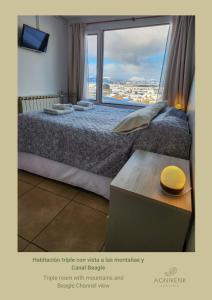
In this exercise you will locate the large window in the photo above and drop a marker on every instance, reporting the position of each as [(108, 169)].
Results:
[(133, 62), (128, 64)]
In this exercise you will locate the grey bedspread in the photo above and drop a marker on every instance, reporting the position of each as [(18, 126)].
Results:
[(85, 139)]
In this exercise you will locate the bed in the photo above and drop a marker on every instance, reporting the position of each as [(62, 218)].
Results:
[(81, 148)]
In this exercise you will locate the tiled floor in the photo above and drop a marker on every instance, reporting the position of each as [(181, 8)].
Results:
[(53, 216)]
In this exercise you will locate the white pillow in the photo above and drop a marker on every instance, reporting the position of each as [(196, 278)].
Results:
[(140, 118)]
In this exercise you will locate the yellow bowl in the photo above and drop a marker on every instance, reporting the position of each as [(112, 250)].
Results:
[(172, 179)]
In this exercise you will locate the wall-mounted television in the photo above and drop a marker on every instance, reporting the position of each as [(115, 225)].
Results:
[(34, 39)]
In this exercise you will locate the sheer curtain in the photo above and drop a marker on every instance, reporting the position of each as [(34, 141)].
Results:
[(181, 62), (77, 62), (86, 72)]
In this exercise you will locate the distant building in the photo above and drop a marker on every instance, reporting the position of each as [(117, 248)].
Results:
[(126, 91)]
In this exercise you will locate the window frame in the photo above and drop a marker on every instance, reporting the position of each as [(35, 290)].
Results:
[(99, 29)]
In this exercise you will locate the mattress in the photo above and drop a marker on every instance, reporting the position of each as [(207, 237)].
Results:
[(64, 173), (85, 139)]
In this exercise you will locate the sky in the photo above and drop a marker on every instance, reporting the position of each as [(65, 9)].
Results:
[(131, 54)]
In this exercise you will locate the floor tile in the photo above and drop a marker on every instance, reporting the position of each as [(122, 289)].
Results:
[(22, 243), (59, 188), (93, 200), (23, 187), (36, 209), (29, 177), (77, 228), (33, 248)]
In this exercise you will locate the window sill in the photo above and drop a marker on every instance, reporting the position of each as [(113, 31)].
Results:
[(122, 105), (118, 103)]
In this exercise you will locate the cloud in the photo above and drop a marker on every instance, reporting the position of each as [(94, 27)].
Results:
[(120, 71), (129, 71), (135, 45), (136, 78), (134, 52)]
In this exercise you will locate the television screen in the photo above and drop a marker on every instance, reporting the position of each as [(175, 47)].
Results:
[(34, 39)]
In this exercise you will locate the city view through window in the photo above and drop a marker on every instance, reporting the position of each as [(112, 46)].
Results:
[(132, 65)]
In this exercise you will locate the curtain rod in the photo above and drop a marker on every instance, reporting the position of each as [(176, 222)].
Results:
[(129, 19)]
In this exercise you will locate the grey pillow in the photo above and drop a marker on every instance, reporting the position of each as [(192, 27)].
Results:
[(140, 118), (172, 111)]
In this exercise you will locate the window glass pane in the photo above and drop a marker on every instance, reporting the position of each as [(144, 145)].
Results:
[(91, 66), (133, 63)]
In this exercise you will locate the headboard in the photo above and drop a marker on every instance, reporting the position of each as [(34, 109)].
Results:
[(33, 103), (190, 246)]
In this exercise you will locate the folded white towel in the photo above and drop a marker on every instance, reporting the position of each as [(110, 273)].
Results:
[(54, 111), (85, 103), (82, 108), (62, 106)]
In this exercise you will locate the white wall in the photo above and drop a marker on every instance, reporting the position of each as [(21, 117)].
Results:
[(44, 73)]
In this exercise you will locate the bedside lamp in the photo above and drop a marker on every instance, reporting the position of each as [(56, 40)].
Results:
[(172, 180), (179, 106)]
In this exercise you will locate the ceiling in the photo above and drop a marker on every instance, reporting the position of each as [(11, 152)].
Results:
[(95, 18)]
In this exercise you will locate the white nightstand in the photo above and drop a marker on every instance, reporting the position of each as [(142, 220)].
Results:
[(141, 216)]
